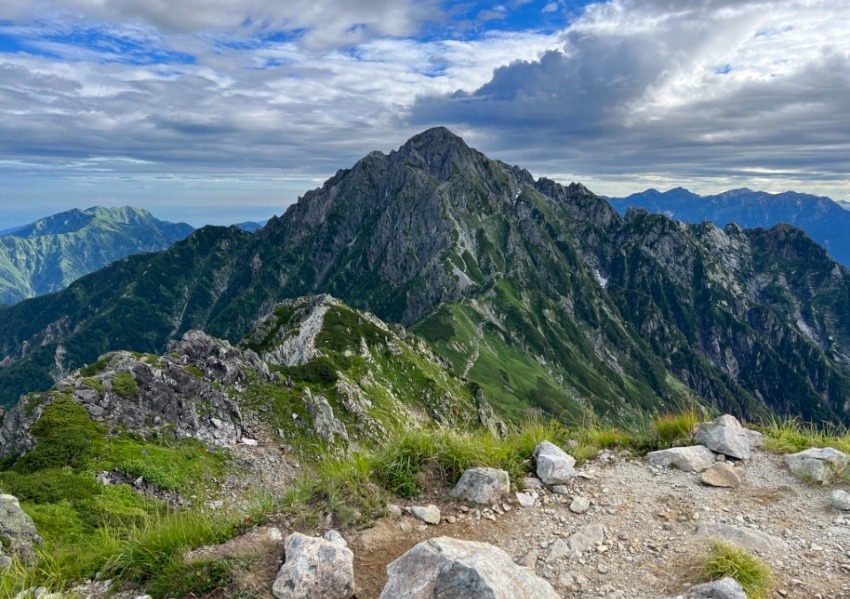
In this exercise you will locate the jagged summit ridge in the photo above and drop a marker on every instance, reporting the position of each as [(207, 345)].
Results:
[(540, 293)]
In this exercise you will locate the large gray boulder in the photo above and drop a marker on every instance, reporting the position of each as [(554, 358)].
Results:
[(726, 435), (554, 465), (17, 531), (725, 588), (482, 485), (447, 568), (315, 568), (695, 458), (818, 464)]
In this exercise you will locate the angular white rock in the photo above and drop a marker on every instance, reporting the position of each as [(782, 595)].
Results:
[(726, 435), (554, 465), (451, 568), (482, 485), (315, 568)]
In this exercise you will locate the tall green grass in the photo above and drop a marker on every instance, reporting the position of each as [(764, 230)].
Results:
[(790, 436), (752, 574)]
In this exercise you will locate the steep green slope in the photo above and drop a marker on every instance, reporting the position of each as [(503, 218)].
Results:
[(540, 294), (49, 254)]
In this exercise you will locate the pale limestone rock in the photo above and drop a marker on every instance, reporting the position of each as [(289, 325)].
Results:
[(554, 465), (453, 569), (315, 568), (482, 485), (695, 458)]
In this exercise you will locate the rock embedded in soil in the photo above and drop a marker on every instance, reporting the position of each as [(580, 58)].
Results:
[(818, 464), (726, 435), (580, 505), (315, 568), (722, 474), (840, 500), (451, 568), (554, 465), (752, 539), (482, 485), (695, 458), (429, 514), (725, 588)]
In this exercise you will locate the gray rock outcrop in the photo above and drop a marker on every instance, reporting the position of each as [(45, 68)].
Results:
[(448, 568), (482, 485), (725, 588), (818, 464), (315, 568), (554, 465), (695, 458), (726, 435), (17, 531)]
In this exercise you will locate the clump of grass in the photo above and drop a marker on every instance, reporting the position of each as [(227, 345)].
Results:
[(674, 428), (790, 436), (151, 549), (752, 574), (124, 384)]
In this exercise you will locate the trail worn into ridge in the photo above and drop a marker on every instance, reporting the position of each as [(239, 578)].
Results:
[(658, 523), (653, 520)]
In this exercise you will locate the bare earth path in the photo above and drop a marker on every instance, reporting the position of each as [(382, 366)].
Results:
[(655, 524)]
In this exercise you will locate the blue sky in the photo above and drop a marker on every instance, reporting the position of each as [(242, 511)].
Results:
[(213, 111)]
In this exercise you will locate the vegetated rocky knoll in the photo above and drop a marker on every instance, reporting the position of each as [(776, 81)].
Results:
[(541, 294), (50, 253), (823, 219), (313, 374)]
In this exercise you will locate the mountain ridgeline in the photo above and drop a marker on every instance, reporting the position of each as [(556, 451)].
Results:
[(538, 294), (824, 220), (50, 253)]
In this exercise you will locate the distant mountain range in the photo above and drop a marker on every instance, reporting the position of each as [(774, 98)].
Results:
[(824, 220), (539, 296), (50, 253), (844, 204), (251, 226)]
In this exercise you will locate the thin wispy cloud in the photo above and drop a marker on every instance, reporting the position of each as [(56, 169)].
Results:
[(100, 96)]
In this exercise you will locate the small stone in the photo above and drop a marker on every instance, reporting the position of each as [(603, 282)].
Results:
[(840, 500), (721, 474), (560, 490), (429, 514), (580, 505)]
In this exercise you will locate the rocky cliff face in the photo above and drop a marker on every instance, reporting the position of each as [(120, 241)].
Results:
[(537, 293), (823, 219)]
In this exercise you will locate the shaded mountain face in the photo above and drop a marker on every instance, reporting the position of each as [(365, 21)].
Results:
[(541, 295), (49, 254), (824, 220)]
